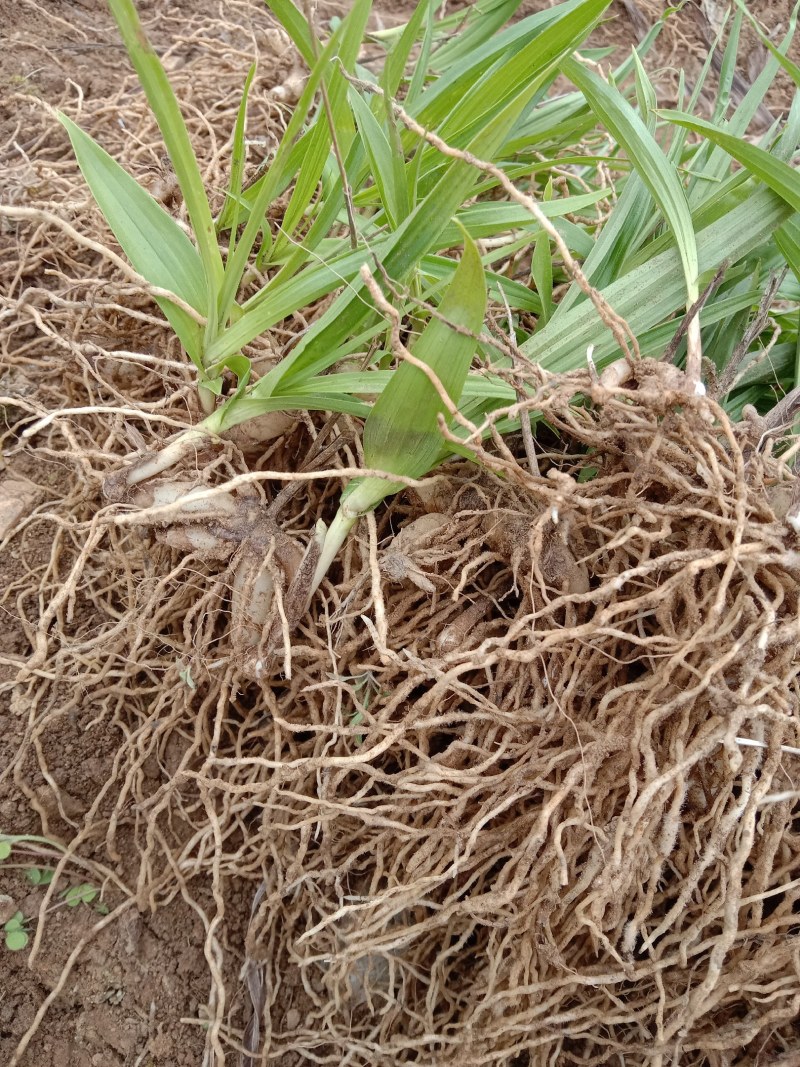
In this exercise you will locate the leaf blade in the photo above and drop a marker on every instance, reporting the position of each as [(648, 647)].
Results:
[(401, 434), (151, 239), (657, 172), (165, 107), (779, 176)]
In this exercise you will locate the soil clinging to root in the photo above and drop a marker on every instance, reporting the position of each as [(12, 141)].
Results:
[(521, 787)]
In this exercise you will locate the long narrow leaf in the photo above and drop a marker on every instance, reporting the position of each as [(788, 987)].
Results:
[(791, 68), (778, 175), (438, 100), (151, 239), (621, 234), (490, 93), (176, 138), (395, 64), (655, 169), (421, 229), (481, 26), (229, 217), (380, 155), (268, 186), (653, 291), (400, 253), (337, 113), (788, 240), (402, 435), (714, 165)]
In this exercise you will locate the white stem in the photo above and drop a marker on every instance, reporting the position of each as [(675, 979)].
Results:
[(190, 500), (158, 462), (362, 496), (208, 400), (335, 537)]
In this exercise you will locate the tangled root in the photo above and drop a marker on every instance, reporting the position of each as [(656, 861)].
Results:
[(523, 798), (550, 844)]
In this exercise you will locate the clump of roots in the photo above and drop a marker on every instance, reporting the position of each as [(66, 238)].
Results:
[(502, 810)]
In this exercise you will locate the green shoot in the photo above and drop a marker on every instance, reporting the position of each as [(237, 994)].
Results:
[(401, 433)]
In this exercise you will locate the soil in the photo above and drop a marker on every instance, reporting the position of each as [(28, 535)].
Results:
[(140, 989)]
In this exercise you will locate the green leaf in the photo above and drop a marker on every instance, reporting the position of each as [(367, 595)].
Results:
[(151, 239), (519, 296), (348, 38), (787, 239), (483, 22), (676, 147), (645, 93), (380, 155), (542, 273), (651, 164), (229, 217), (5, 850), (617, 240), (176, 138), (713, 165), (779, 176), (652, 292), (542, 267), (727, 69), (791, 68), (399, 254), (490, 93), (491, 218), (421, 229), (16, 940), (395, 63), (401, 434), (438, 101), (566, 119), (39, 875), (417, 84), (79, 894), (343, 42)]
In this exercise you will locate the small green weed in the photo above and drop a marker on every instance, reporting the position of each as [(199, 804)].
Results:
[(15, 932), (39, 875), (27, 848)]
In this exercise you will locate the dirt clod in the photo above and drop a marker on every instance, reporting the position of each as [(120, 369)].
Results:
[(17, 499)]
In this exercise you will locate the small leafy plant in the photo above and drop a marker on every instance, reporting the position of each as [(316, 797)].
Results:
[(39, 875), (85, 893), (15, 929), (412, 211), (15, 932)]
